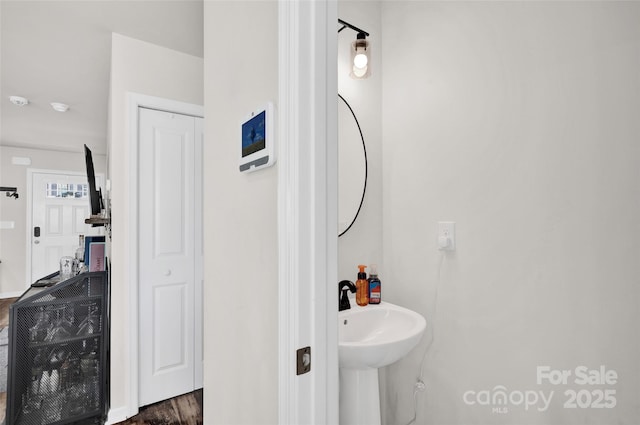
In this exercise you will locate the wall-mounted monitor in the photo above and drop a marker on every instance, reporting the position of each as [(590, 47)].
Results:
[(94, 194)]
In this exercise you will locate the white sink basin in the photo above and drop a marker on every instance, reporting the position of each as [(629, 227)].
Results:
[(377, 335)]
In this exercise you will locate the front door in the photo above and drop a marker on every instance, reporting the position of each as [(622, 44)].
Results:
[(169, 246), (60, 204)]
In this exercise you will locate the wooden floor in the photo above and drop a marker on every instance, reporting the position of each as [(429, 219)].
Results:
[(4, 311), (3, 407), (4, 322), (182, 410)]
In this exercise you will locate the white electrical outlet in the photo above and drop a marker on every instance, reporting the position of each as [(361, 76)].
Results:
[(446, 236)]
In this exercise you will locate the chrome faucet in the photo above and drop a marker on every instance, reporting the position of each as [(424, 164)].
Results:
[(343, 287)]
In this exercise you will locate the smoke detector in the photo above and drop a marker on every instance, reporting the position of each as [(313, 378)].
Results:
[(60, 107), (19, 100)]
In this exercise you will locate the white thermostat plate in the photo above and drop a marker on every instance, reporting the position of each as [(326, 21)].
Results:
[(257, 142)]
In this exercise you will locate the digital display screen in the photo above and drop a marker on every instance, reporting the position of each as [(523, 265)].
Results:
[(254, 134)]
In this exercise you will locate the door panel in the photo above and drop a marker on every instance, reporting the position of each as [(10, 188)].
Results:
[(80, 213), (170, 315), (170, 223), (167, 225), (52, 255), (53, 224)]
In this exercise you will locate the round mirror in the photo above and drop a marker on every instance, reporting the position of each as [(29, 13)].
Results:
[(352, 167)]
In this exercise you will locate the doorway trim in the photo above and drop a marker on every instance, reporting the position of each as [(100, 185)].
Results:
[(30, 173), (135, 101), (307, 210)]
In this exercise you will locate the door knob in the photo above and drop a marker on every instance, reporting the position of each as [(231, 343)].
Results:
[(167, 273), (36, 242)]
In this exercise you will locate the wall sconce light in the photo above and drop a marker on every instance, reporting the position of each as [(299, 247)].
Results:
[(360, 57), (360, 52), (12, 192)]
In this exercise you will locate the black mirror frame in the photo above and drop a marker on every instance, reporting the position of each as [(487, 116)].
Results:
[(366, 166)]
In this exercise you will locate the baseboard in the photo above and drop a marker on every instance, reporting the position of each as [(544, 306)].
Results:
[(11, 294), (116, 415)]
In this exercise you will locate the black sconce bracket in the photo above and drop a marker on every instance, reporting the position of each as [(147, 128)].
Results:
[(346, 24)]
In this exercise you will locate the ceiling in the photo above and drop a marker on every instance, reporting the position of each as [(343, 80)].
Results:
[(59, 51)]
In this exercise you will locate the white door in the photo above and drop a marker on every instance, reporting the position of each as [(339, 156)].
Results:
[(169, 254), (60, 204)]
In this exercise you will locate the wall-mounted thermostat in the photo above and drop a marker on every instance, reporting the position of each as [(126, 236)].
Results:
[(257, 144)]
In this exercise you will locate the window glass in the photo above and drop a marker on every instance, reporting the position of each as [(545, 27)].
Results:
[(67, 190)]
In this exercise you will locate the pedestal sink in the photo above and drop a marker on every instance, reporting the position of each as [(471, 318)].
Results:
[(371, 337)]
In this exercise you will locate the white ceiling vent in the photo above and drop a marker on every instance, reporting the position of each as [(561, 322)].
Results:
[(19, 100)]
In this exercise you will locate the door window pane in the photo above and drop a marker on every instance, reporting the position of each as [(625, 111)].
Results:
[(67, 190)]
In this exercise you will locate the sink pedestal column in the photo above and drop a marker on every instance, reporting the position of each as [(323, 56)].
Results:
[(359, 397)]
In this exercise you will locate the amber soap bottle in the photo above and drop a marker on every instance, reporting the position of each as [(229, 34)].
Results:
[(362, 287)]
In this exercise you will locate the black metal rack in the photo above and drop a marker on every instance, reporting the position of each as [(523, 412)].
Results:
[(59, 353)]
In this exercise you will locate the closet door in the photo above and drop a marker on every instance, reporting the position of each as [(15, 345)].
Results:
[(168, 256)]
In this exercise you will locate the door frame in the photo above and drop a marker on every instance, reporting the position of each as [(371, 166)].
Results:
[(307, 210), (30, 173), (135, 101), (307, 107)]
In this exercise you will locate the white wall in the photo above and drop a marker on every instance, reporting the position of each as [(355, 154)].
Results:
[(518, 121), (362, 244), (144, 68), (240, 210), (13, 242)]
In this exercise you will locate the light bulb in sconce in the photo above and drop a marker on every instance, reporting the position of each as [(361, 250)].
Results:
[(360, 57), (360, 61)]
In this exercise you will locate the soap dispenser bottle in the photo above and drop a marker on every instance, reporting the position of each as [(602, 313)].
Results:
[(362, 287), (375, 286)]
